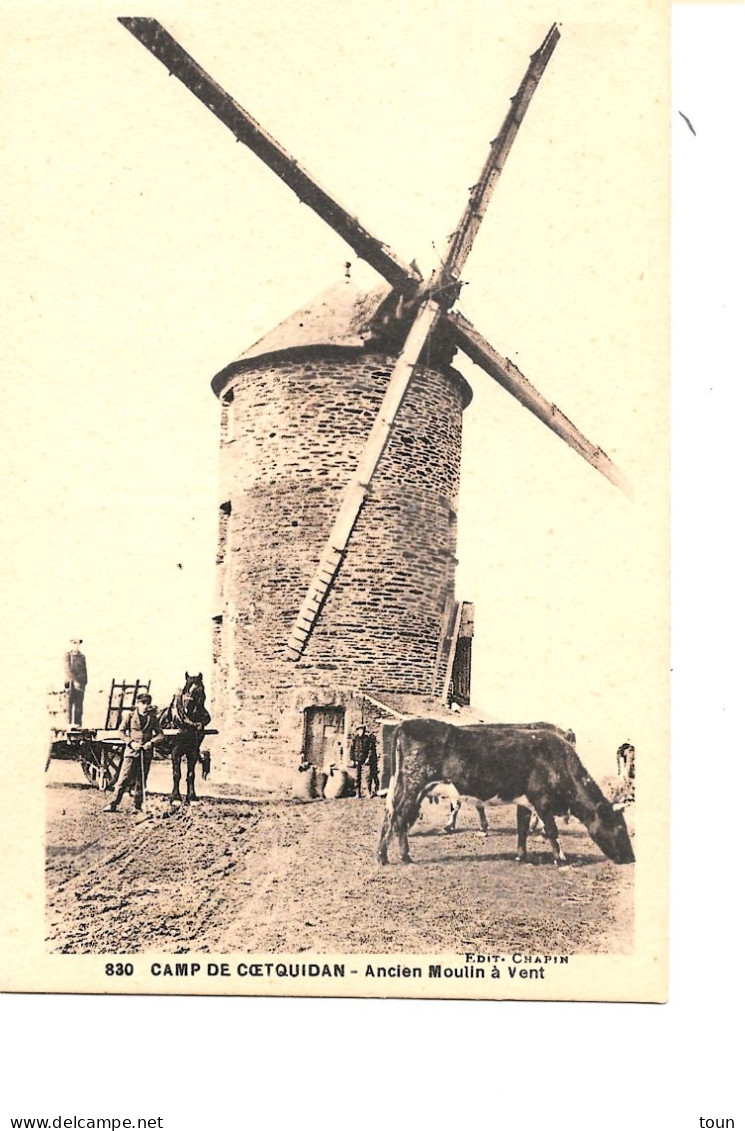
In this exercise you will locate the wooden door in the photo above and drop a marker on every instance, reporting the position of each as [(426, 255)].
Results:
[(324, 730)]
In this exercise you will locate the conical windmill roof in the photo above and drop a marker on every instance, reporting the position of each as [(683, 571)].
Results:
[(342, 316)]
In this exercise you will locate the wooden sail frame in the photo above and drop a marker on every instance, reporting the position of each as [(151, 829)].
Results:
[(434, 299)]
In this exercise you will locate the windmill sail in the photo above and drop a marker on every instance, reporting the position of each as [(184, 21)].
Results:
[(461, 241), (444, 287), (357, 488), (247, 130), (434, 300), (506, 373)]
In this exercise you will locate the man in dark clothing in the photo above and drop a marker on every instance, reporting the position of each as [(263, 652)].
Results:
[(144, 732), (76, 678), (373, 781), (365, 753)]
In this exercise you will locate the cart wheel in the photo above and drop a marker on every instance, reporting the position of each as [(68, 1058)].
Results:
[(89, 764), (99, 765), (113, 765)]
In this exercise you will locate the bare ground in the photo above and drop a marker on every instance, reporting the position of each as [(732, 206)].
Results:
[(242, 875)]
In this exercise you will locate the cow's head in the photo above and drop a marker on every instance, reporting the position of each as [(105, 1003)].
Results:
[(607, 827)]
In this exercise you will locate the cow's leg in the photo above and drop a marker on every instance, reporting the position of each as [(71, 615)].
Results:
[(482, 818), (454, 810), (396, 805), (403, 841), (395, 819), (386, 829), (552, 835), (403, 820), (523, 826)]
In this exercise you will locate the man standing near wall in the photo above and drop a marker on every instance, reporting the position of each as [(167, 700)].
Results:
[(365, 753), (76, 678)]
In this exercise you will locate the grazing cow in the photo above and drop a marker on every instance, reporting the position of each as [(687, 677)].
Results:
[(510, 763), (535, 820)]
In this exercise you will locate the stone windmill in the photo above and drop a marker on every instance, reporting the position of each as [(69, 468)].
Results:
[(340, 462)]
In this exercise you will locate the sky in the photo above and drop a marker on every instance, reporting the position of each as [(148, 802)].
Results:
[(149, 250)]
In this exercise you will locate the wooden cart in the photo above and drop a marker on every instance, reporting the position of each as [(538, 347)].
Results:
[(99, 750)]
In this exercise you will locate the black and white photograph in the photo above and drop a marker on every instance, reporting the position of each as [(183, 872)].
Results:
[(337, 408)]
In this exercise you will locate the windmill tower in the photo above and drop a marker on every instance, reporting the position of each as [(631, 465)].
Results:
[(296, 411), (340, 457)]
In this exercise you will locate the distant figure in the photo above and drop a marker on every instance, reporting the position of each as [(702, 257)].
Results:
[(365, 753), (373, 781), (625, 759), (571, 737), (144, 732), (76, 678)]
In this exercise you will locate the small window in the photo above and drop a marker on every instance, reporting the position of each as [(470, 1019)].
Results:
[(227, 418), (223, 533), (216, 639)]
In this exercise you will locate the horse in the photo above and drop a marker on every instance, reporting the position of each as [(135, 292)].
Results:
[(188, 716)]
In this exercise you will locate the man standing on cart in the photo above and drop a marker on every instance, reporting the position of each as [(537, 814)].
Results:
[(76, 678), (144, 733)]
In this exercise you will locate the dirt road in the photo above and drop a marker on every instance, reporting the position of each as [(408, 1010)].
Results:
[(255, 875)]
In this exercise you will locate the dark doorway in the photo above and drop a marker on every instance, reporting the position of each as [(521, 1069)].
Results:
[(460, 686), (324, 735)]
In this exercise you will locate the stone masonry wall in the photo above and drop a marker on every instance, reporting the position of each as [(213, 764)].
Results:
[(292, 430)]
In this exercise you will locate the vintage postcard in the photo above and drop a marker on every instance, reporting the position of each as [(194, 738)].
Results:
[(336, 444)]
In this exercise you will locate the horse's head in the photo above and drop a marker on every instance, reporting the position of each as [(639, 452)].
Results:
[(193, 698), (193, 687)]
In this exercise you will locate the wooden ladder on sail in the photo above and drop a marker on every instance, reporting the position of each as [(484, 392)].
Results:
[(356, 492)]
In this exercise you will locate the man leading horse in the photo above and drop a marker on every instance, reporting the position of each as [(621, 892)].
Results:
[(143, 733)]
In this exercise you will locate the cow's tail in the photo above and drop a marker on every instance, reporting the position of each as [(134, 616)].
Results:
[(395, 787)]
